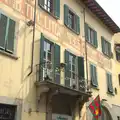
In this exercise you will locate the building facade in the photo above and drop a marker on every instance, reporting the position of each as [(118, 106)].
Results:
[(49, 67)]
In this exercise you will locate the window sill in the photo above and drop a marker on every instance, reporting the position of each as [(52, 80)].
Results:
[(91, 44), (51, 14), (109, 57), (109, 93), (94, 87), (8, 55), (72, 30)]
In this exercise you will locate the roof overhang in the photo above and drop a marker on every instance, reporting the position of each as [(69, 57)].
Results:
[(96, 9)]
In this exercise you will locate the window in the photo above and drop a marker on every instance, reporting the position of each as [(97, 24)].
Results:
[(72, 63), (71, 20), (117, 49), (91, 35), (74, 70), (109, 83), (118, 117), (49, 60), (51, 6), (93, 75), (119, 79), (106, 47), (7, 33), (7, 112)]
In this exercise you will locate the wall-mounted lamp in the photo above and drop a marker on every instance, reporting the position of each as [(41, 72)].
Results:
[(62, 65), (30, 23)]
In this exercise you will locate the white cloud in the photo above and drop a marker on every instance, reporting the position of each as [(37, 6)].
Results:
[(112, 7)]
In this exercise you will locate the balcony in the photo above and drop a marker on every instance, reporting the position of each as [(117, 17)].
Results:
[(49, 82), (46, 74)]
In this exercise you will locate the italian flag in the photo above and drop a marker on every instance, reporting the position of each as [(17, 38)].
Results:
[(95, 107)]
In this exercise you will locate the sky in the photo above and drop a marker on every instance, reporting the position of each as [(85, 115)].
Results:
[(112, 7)]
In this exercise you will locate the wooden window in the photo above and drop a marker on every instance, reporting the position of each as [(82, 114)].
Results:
[(118, 117), (119, 79), (49, 60), (109, 83), (51, 6), (71, 20), (7, 33), (74, 70), (93, 75), (117, 49), (91, 35), (106, 47)]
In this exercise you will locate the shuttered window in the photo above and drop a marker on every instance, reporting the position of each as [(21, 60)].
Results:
[(109, 83), (93, 75), (7, 33), (91, 35), (106, 47), (71, 20), (51, 6), (119, 79), (74, 70), (49, 60)]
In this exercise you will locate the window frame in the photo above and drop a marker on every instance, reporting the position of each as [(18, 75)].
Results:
[(96, 77), (50, 13), (76, 17), (106, 52), (73, 19), (75, 65), (119, 79), (52, 57), (4, 50), (91, 36), (108, 91), (49, 6), (117, 52)]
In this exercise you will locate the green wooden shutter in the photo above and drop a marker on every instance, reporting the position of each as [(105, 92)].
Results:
[(86, 31), (78, 25), (57, 63), (81, 67), (109, 49), (41, 56), (93, 73), (95, 77), (67, 72), (95, 39), (66, 10), (109, 79), (103, 44), (11, 36), (41, 3), (57, 8), (3, 25)]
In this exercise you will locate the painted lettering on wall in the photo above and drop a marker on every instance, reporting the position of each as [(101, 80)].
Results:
[(26, 8)]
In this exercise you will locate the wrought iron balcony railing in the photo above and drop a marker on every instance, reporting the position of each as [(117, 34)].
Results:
[(45, 71)]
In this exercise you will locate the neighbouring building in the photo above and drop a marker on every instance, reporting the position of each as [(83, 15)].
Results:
[(49, 67)]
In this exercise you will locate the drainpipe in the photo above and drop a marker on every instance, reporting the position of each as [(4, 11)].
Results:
[(86, 57), (33, 39)]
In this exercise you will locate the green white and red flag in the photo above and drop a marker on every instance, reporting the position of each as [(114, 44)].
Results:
[(95, 107)]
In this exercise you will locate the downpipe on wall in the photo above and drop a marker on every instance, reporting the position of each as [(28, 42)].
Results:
[(32, 59)]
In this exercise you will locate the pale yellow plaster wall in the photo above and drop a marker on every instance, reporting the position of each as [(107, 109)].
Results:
[(14, 81)]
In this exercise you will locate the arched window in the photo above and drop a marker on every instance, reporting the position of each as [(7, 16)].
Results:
[(105, 114)]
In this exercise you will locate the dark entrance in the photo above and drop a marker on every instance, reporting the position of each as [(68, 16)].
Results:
[(7, 112)]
